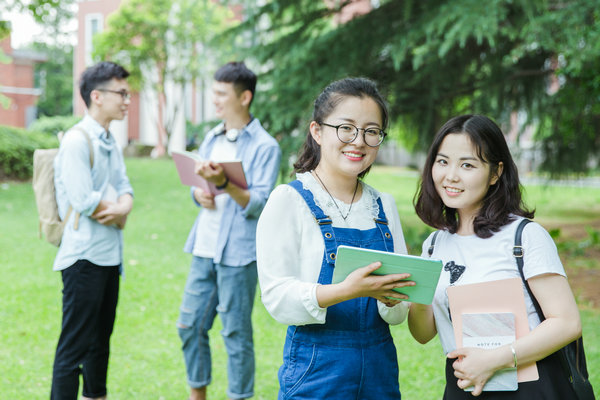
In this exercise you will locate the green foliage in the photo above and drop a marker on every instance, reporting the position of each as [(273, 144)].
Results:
[(55, 78), (434, 60), (576, 248), (54, 125), (195, 133), (52, 15), (4, 29), (4, 101), (46, 12), (593, 237), (16, 151), (161, 41)]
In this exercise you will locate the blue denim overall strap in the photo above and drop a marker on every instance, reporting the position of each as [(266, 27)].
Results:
[(353, 330), (325, 224), (358, 314)]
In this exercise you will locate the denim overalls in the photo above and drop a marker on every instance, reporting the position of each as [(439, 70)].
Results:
[(352, 355)]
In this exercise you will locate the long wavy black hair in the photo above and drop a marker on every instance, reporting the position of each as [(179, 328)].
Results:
[(325, 104), (503, 200)]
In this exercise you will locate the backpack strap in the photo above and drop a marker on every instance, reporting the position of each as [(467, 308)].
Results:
[(91, 151), (89, 142), (432, 244)]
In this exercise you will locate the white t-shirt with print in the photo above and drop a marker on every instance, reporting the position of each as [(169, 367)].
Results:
[(470, 259)]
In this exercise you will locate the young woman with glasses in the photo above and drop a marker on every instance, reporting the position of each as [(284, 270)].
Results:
[(338, 343)]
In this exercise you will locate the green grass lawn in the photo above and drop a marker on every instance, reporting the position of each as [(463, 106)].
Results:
[(146, 361)]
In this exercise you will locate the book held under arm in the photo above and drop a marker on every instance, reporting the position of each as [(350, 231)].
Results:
[(185, 162), (425, 272)]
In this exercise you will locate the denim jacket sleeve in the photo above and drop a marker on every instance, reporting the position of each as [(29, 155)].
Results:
[(264, 171)]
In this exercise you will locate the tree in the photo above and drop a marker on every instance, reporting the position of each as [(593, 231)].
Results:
[(4, 30), (436, 59), (162, 41), (52, 15), (55, 77), (49, 13)]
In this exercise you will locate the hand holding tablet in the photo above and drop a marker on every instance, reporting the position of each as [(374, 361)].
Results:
[(425, 272)]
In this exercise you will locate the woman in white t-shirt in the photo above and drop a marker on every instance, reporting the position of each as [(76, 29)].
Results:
[(338, 343), (470, 191)]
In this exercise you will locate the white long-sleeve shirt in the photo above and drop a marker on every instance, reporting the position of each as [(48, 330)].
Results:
[(290, 248)]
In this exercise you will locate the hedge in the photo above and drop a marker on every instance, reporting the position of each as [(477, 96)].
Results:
[(16, 151), (54, 125)]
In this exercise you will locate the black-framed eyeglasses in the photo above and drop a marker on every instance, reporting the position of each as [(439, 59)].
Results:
[(347, 133), (124, 93)]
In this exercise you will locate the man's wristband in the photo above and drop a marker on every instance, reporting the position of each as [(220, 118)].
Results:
[(224, 185)]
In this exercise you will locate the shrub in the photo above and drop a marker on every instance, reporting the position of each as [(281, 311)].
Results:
[(195, 133), (54, 125), (16, 151)]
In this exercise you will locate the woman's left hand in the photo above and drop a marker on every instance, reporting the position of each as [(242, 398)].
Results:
[(473, 367)]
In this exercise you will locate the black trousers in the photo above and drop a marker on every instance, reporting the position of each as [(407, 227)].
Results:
[(90, 295), (552, 385)]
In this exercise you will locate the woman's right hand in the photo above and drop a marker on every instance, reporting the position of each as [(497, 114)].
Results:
[(363, 283)]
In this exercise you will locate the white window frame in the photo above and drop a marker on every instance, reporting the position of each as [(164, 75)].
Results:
[(89, 35)]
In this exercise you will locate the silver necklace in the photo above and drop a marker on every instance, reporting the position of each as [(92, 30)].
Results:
[(332, 199)]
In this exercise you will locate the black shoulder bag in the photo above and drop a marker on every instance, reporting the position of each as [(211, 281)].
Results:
[(572, 356)]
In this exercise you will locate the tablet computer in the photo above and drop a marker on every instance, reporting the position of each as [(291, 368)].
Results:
[(425, 272)]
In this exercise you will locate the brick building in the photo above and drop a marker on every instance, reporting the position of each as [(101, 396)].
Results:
[(140, 125), (195, 105), (17, 84)]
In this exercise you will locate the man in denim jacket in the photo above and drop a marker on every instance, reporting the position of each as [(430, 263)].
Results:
[(223, 276), (90, 255)]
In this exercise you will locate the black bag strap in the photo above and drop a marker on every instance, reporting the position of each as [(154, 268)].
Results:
[(432, 245), (577, 368), (519, 253)]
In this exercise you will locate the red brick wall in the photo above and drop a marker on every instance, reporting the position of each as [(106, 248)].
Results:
[(16, 77)]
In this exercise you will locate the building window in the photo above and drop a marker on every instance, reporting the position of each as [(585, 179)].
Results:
[(93, 25)]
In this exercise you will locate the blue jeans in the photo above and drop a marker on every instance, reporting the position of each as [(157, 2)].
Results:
[(230, 291)]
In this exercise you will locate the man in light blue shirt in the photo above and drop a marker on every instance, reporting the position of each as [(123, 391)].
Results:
[(223, 276), (90, 255)]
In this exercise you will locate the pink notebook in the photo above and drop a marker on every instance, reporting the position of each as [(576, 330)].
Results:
[(185, 162), (501, 296)]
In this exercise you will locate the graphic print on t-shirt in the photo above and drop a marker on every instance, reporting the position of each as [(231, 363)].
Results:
[(455, 271)]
